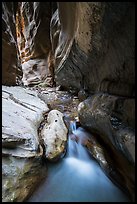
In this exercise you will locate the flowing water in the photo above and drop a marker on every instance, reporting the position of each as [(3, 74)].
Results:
[(77, 178)]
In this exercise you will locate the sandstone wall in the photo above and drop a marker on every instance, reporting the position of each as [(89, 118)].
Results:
[(101, 56), (33, 40), (9, 53)]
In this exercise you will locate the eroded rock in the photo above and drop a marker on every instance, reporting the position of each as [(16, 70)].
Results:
[(33, 41), (22, 170), (22, 112), (20, 177), (101, 115), (94, 55), (9, 51), (54, 135)]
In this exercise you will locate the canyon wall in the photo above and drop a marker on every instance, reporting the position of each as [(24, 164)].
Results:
[(92, 43), (87, 47), (101, 56), (33, 40), (9, 45)]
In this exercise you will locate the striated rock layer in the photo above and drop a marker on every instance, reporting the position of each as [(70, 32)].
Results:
[(22, 112), (33, 41), (22, 169), (9, 47)]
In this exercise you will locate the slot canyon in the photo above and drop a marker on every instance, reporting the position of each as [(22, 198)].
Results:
[(68, 101)]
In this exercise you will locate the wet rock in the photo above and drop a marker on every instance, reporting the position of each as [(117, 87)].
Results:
[(63, 101), (93, 146), (82, 95), (101, 114), (54, 135), (126, 142), (128, 112), (113, 165), (22, 113)]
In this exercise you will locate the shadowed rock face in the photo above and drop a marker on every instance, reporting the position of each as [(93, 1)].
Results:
[(100, 59), (114, 165), (9, 51), (101, 49), (101, 114)]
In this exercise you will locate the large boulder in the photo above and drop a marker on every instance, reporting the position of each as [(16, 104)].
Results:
[(103, 114), (54, 135), (22, 169)]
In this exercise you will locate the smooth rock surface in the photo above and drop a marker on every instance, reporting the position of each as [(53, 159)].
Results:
[(54, 135), (101, 113), (22, 112), (22, 168), (98, 47)]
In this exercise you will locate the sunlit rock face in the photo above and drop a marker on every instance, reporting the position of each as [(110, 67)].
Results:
[(22, 169), (22, 112), (9, 53), (33, 40), (54, 135), (63, 28), (95, 48)]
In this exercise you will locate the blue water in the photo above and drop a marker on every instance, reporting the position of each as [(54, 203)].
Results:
[(77, 178)]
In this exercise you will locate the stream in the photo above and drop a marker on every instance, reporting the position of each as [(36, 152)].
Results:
[(77, 178)]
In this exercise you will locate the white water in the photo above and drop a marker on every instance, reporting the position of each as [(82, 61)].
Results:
[(77, 178)]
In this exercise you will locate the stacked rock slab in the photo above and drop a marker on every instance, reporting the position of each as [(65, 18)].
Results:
[(22, 113)]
